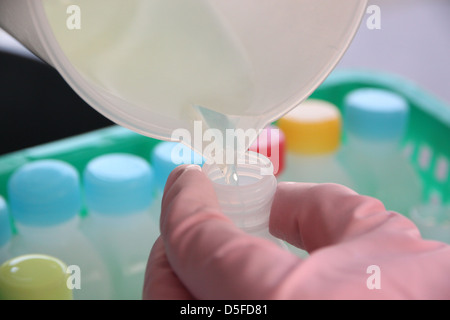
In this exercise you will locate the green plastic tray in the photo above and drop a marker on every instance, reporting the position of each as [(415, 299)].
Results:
[(427, 141)]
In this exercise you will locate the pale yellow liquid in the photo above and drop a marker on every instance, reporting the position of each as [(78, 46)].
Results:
[(167, 56)]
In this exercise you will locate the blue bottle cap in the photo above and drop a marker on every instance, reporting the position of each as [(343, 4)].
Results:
[(44, 192), (166, 156), (118, 184), (376, 114), (5, 225)]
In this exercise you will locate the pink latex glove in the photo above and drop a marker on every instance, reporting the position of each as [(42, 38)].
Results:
[(202, 255)]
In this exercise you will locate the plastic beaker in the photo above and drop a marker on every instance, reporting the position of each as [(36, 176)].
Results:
[(148, 64)]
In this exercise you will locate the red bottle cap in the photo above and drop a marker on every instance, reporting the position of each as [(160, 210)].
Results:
[(271, 143)]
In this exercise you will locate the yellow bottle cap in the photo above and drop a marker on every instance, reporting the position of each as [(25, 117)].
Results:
[(34, 277), (313, 127)]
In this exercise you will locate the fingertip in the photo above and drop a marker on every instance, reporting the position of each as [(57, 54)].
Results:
[(188, 191), (184, 178), (285, 197), (178, 171), (310, 216), (283, 223)]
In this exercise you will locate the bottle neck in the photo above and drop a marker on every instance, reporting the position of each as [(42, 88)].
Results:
[(248, 203)]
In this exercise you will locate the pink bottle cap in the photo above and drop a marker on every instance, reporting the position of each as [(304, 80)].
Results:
[(271, 143)]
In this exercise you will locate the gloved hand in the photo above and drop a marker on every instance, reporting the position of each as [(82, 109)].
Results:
[(358, 250)]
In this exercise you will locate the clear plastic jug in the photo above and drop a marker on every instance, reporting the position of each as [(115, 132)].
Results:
[(149, 65)]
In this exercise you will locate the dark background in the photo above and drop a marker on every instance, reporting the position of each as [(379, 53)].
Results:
[(37, 106)]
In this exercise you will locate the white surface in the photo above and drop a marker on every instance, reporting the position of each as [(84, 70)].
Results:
[(413, 42)]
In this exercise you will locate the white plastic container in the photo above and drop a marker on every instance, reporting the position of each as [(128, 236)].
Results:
[(5, 232), (313, 139), (118, 192), (248, 204), (148, 64), (375, 122), (45, 200)]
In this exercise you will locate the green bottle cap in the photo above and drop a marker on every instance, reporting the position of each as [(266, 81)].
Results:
[(34, 277)]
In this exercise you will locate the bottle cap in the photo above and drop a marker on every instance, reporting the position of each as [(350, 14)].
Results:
[(271, 143), (34, 277), (166, 156), (5, 225), (118, 184), (44, 192), (313, 127), (375, 114)]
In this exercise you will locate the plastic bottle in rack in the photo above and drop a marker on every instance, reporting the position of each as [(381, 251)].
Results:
[(313, 138), (119, 194), (5, 231), (376, 122), (45, 200), (249, 202), (165, 157), (34, 277)]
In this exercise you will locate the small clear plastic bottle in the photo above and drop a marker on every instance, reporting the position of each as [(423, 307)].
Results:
[(249, 202), (34, 277), (313, 139), (165, 157), (5, 231), (375, 122), (45, 201), (119, 193)]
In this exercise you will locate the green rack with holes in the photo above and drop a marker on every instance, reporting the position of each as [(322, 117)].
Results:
[(427, 141)]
